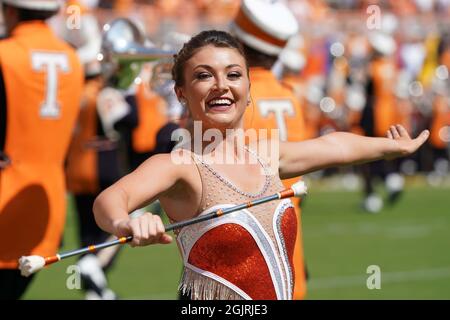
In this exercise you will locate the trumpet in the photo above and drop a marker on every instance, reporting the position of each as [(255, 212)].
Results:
[(124, 50)]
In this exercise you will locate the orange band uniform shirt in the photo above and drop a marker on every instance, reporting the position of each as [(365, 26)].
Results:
[(32, 188)]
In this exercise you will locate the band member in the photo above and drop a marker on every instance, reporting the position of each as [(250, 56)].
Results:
[(40, 92)]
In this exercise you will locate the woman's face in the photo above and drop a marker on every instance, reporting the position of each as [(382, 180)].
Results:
[(216, 87)]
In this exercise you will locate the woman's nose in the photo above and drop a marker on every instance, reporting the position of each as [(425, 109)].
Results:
[(221, 84)]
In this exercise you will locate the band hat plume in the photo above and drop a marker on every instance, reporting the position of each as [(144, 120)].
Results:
[(292, 59), (44, 5), (264, 25)]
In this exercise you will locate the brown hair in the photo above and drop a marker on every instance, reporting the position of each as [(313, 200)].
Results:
[(215, 38)]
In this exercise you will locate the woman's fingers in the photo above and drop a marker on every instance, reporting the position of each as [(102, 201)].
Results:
[(148, 229), (165, 239), (135, 229), (402, 131), (389, 134), (145, 227), (152, 230), (159, 227), (421, 138), (394, 132)]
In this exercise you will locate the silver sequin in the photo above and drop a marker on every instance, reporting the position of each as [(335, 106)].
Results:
[(232, 186), (284, 255)]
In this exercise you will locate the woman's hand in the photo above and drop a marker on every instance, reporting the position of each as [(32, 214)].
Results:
[(146, 229), (404, 144)]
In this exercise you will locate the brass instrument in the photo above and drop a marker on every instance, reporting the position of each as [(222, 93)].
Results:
[(124, 50)]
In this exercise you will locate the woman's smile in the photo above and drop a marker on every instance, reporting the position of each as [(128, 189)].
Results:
[(220, 104)]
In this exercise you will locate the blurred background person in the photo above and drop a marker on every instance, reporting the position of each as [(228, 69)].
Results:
[(93, 159), (40, 91), (380, 111)]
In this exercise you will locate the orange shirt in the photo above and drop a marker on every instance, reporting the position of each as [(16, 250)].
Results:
[(275, 107), (43, 82), (386, 111), (151, 118), (81, 173)]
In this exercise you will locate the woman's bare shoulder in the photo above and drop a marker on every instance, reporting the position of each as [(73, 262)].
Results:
[(182, 200), (178, 165)]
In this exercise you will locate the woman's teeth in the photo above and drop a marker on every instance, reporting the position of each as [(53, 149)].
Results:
[(219, 102)]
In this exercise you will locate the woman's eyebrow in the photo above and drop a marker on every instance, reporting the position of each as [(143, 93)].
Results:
[(208, 67), (203, 66), (233, 65)]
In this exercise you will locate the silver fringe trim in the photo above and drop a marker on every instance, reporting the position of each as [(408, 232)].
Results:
[(201, 287)]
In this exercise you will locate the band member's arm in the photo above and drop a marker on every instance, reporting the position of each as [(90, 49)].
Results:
[(341, 148)]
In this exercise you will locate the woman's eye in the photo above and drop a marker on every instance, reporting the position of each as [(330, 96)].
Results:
[(203, 75), (234, 75)]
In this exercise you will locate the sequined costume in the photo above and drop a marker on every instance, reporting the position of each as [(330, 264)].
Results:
[(246, 254)]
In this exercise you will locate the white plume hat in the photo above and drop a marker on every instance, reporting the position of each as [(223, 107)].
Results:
[(264, 25)]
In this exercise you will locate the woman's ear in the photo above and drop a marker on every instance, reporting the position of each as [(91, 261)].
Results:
[(180, 96), (178, 93)]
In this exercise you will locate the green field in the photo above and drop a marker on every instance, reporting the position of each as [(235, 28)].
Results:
[(409, 242)]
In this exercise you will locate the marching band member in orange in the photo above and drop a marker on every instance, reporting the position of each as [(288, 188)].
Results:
[(41, 84)]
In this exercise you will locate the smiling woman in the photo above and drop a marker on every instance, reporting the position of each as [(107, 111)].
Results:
[(247, 254)]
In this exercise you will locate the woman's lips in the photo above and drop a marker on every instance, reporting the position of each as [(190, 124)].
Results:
[(220, 108), (220, 104)]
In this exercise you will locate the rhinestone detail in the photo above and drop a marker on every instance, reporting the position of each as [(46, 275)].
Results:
[(232, 186)]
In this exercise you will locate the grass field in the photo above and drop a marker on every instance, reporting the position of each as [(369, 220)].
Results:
[(409, 242)]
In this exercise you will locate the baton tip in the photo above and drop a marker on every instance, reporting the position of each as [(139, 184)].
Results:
[(30, 264), (299, 188)]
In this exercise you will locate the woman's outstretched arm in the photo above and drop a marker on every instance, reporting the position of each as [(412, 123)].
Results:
[(342, 148)]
